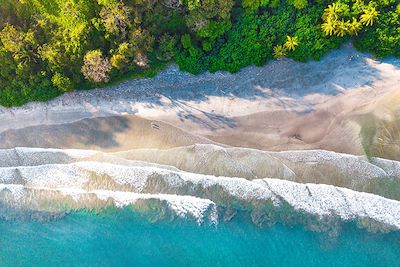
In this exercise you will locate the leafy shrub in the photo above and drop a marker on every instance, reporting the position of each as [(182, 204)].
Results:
[(61, 82)]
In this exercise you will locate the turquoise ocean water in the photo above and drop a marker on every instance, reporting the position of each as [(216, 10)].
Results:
[(122, 238)]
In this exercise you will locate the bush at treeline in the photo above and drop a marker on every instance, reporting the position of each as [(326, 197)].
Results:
[(48, 47)]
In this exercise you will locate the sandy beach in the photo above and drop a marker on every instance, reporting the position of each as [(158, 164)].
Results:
[(348, 102)]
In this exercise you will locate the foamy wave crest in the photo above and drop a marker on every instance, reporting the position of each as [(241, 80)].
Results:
[(92, 185), (374, 175), (253, 163), (20, 201)]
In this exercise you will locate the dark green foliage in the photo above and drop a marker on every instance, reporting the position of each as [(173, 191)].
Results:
[(44, 43), (313, 42), (166, 47), (253, 36), (383, 39)]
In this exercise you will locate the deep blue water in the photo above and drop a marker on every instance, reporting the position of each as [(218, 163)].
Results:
[(124, 239)]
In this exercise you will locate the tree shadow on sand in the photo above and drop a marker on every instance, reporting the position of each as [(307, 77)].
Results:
[(284, 81), (100, 132)]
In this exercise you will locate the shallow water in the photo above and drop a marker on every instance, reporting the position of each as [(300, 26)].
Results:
[(123, 238)]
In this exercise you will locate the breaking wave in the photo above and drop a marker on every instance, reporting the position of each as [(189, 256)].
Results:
[(47, 183)]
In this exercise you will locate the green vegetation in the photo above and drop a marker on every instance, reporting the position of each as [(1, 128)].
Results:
[(48, 47)]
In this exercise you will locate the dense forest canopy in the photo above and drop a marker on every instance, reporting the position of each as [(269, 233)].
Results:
[(52, 46)]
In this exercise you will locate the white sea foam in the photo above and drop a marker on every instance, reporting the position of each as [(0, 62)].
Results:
[(122, 184), (327, 200), (65, 199), (391, 167)]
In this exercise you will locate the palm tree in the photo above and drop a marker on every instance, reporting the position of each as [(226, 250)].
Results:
[(24, 56), (341, 28), (369, 16), (328, 27), (354, 26), (280, 51), (332, 11), (291, 43)]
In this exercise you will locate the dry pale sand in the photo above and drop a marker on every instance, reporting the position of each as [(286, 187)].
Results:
[(347, 102)]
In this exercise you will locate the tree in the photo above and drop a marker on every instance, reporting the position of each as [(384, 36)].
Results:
[(332, 12), (209, 18), (328, 27), (254, 5), (13, 40), (353, 27), (369, 16), (121, 56), (166, 49), (116, 19), (299, 4), (280, 51), (63, 83), (340, 21), (341, 28), (65, 21), (291, 43), (21, 45), (96, 68)]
